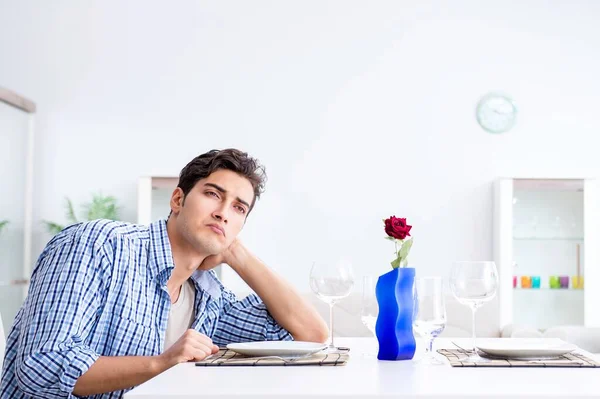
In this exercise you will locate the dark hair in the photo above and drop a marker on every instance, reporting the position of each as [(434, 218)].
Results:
[(231, 159)]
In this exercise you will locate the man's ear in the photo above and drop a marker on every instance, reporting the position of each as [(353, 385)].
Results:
[(177, 200)]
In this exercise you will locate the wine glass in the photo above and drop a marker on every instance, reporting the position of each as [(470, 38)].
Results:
[(473, 284), (331, 281), (430, 313), (369, 307)]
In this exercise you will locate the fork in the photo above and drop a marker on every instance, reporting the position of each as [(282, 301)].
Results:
[(284, 358)]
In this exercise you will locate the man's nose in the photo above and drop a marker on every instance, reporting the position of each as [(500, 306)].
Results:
[(220, 214)]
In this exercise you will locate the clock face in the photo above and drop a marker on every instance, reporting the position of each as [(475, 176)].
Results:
[(496, 113)]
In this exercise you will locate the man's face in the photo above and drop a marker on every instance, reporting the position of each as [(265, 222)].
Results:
[(214, 211)]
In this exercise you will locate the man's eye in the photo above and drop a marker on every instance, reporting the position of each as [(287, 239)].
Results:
[(241, 209), (212, 193)]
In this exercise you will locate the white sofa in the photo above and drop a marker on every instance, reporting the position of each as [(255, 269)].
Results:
[(347, 323), (587, 338)]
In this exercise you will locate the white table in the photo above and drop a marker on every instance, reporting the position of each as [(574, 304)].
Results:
[(366, 377)]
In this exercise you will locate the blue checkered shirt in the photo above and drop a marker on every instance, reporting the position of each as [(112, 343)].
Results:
[(99, 289)]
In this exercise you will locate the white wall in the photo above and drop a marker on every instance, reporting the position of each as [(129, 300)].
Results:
[(359, 109)]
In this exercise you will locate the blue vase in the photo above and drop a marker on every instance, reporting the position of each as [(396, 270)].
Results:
[(394, 330)]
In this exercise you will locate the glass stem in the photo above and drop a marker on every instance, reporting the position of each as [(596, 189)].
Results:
[(331, 325), (429, 348), (473, 309)]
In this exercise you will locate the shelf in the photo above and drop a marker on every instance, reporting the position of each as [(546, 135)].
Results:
[(548, 238), (548, 289)]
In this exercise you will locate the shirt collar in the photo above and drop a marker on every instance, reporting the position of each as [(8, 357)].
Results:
[(208, 282), (162, 265), (161, 257)]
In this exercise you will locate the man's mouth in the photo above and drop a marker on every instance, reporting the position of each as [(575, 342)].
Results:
[(217, 229)]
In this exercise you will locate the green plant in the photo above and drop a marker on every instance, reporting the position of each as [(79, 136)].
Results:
[(101, 207), (3, 223)]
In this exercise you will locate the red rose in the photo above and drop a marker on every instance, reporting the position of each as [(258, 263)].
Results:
[(397, 227)]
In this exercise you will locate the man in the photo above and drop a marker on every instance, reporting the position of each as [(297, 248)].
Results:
[(112, 304)]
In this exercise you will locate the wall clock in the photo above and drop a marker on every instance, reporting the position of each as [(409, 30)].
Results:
[(496, 113)]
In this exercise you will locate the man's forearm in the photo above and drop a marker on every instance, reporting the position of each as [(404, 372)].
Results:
[(283, 302), (110, 374)]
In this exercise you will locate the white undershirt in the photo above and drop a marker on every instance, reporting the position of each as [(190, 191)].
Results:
[(181, 315)]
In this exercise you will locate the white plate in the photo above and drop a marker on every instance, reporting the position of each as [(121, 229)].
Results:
[(276, 348), (526, 347)]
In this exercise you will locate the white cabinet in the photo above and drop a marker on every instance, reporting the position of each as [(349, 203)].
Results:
[(546, 249), (154, 193)]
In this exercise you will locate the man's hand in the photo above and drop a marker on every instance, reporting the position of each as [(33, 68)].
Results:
[(190, 346), (110, 374), (235, 256)]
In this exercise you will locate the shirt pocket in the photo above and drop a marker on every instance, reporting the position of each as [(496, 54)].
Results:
[(128, 338)]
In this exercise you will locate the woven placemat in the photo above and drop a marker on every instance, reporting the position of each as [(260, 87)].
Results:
[(569, 360), (226, 357)]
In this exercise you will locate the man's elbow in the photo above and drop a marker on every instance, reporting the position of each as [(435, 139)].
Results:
[(26, 383), (321, 336), (315, 333)]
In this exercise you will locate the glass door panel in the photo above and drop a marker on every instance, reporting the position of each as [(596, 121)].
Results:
[(13, 154), (548, 245)]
